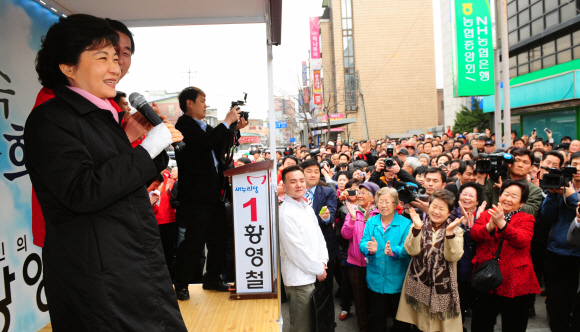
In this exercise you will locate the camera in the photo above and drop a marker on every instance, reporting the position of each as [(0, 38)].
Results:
[(389, 161), (493, 164), (557, 178), (409, 192), (352, 192), (243, 114)]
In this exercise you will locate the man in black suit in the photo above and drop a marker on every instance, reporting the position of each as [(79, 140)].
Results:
[(200, 191), (320, 197)]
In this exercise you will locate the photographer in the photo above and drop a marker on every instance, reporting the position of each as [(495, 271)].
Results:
[(562, 261), (384, 177), (466, 174), (518, 170), (202, 181), (435, 179), (365, 153)]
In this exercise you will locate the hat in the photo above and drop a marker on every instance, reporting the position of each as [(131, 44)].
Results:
[(323, 151), (331, 143), (490, 143), (403, 151), (370, 186), (482, 138), (428, 136), (410, 144), (421, 138), (460, 136)]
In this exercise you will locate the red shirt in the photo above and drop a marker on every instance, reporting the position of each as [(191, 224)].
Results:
[(38, 230), (164, 213)]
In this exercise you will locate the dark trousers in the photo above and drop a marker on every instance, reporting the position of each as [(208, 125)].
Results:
[(381, 306), (514, 312), (561, 275), (205, 226), (329, 283), (464, 288), (360, 292), (345, 288), (168, 235)]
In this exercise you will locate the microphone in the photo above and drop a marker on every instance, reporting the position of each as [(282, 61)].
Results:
[(140, 104)]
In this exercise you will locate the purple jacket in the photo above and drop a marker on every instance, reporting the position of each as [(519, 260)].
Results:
[(353, 230)]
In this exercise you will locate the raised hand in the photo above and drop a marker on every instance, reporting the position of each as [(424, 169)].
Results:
[(480, 210), (424, 206), (388, 250), (368, 210), (351, 210), (451, 227), (468, 216), (498, 185), (417, 223), (372, 246)]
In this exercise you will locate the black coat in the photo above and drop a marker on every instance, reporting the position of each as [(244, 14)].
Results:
[(324, 196), (104, 268), (199, 181)]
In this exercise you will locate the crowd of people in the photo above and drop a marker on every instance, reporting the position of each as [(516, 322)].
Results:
[(412, 257), (401, 225)]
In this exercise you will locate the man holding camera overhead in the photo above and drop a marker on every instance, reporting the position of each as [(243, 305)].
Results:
[(200, 191), (562, 264), (518, 170)]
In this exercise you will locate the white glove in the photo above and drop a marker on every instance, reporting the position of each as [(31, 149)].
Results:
[(157, 140)]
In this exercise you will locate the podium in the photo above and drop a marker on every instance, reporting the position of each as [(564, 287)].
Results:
[(255, 207)]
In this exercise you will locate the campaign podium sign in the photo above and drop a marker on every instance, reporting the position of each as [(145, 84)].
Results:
[(255, 237)]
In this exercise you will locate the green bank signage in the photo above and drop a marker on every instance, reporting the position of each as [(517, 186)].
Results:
[(473, 53)]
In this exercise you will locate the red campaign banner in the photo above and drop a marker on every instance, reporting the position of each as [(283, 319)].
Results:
[(306, 95), (316, 76), (317, 99)]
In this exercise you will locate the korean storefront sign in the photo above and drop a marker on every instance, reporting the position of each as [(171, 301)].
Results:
[(314, 38), (473, 49)]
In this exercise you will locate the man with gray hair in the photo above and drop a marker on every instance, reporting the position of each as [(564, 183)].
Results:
[(411, 164)]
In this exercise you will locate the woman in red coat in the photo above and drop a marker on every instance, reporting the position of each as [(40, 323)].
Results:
[(506, 221)]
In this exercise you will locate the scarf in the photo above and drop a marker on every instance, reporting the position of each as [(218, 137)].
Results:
[(431, 282), (509, 216), (373, 209)]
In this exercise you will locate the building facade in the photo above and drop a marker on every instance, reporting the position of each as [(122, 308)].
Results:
[(544, 49), (390, 45)]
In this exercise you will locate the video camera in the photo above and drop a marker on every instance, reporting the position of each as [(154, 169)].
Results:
[(493, 164), (389, 161), (557, 178), (243, 114), (409, 191)]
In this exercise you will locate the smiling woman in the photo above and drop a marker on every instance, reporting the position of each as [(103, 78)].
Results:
[(103, 263)]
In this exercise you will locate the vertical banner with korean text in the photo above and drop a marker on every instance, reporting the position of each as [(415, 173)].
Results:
[(304, 74), (252, 232), (314, 38), (23, 306), (473, 48)]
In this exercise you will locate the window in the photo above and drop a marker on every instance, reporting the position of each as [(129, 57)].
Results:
[(348, 53), (562, 123)]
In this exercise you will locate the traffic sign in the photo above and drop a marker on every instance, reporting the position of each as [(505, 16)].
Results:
[(281, 124)]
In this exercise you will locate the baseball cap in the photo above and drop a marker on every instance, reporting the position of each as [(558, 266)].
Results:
[(403, 151), (331, 143), (490, 143)]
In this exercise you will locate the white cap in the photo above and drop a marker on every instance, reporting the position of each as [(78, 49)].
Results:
[(331, 143)]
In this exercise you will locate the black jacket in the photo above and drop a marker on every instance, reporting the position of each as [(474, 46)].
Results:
[(403, 176), (324, 196), (103, 264), (200, 183)]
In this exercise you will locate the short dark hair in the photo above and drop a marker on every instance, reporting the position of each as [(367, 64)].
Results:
[(118, 96), (344, 154), (474, 185), (189, 93), (444, 195), (575, 155), (345, 173), (523, 186), (66, 40), (245, 160), (256, 151), (420, 170), (341, 165), (555, 154), (309, 163), (290, 157), (518, 139), (122, 28), (427, 143), (523, 152), (439, 171), (466, 144), (463, 165), (292, 168), (351, 182), (565, 138)]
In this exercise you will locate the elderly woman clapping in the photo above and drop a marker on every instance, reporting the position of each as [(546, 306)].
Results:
[(430, 297), (383, 245)]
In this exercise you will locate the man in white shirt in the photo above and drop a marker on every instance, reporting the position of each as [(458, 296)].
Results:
[(302, 248)]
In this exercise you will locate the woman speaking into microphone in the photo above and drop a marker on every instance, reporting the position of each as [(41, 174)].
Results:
[(104, 268)]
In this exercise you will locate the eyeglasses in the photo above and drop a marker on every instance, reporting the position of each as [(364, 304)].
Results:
[(381, 202)]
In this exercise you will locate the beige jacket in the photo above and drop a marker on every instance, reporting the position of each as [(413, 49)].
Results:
[(406, 313)]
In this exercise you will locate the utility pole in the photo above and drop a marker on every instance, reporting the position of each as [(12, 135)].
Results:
[(362, 102), (189, 72), (505, 55), (497, 83)]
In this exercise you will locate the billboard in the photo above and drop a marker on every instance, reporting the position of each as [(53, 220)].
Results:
[(314, 38), (473, 48)]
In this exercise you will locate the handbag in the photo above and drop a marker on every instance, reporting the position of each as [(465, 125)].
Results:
[(487, 276), (322, 307)]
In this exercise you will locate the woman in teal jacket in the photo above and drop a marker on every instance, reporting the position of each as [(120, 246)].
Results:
[(382, 244)]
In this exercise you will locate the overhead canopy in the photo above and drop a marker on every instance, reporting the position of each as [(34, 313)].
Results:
[(147, 13)]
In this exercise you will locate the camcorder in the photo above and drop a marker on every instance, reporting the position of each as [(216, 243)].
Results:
[(409, 192), (243, 114), (557, 178), (389, 161), (494, 164)]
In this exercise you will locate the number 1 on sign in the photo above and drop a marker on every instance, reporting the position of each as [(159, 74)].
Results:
[(254, 213)]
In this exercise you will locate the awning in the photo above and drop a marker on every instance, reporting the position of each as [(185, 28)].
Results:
[(333, 123)]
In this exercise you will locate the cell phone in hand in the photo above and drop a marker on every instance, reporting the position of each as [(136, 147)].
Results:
[(548, 131)]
